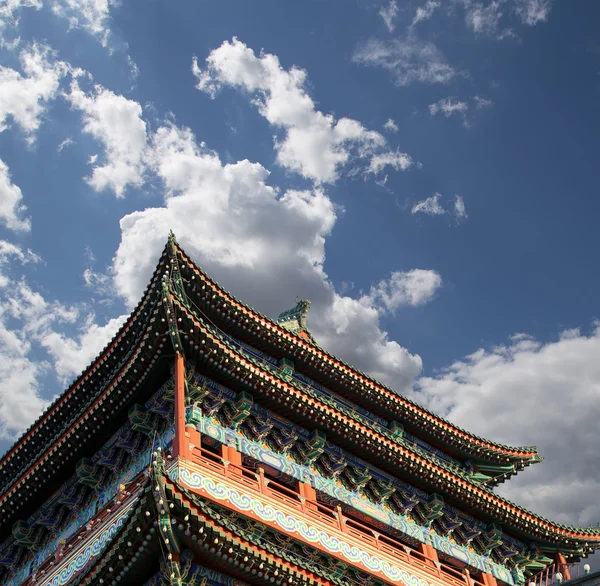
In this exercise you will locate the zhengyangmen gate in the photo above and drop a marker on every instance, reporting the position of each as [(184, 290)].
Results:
[(209, 445)]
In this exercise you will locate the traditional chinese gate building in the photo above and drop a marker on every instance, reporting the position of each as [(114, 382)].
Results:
[(208, 444)]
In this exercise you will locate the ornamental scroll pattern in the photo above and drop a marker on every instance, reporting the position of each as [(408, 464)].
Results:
[(92, 550), (328, 486), (291, 524), (141, 462)]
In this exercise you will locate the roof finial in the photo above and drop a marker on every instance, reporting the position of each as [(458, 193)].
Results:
[(294, 320)]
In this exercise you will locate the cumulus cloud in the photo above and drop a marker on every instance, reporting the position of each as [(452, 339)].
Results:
[(314, 144), (432, 206), (71, 353), (12, 209), (481, 103), (425, 12), (390, 126), (9, 17), (20, 401), (483, 18), (265, 246), (448, 106), (388, 14), (408, 60), (90, 15), (528, 392), (415, 287), (24, 97), (532, 12), (398, 161), (117, 124), (460, 210), (64, 144), (39, 339)]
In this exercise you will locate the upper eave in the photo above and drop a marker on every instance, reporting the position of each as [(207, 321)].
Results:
[(202, 344), (80, 414), (353, 383)]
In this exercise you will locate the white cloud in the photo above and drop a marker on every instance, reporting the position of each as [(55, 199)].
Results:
[(460, 210), (12, 209), (117, 123), (425, 12), (65, 143), (531, 393), (390, 125), (265, 246), (481, 103), (389, 14), (24, 98), (484, 18), (448, 106), (9, 10), (415, 287), (30, 326), (72, 354), (20, 401), (314, 144), (430, 206), (531, 12), (91, 15), (409, 60), (398, 161), (9, 251)]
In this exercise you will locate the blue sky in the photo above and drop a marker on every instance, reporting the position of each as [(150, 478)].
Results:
[(425, 172)]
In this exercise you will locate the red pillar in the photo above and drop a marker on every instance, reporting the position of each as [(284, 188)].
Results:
[(234, 457), (306, 491), (429, 552), (488, 579), (179, 442), (563, 568)]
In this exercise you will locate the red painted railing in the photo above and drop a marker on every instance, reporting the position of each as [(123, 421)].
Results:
[(556, 574), (334, 517)]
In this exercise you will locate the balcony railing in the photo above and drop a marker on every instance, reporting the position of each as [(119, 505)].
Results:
[(557, 574), (332, 516)]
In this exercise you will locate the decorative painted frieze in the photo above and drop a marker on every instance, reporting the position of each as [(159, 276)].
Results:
[(330, 487)]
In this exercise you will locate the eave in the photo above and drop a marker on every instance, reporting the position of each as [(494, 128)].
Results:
[(240, 320), (88, 413), (204, 347)]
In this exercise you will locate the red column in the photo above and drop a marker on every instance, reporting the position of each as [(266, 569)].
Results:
[(179, 442), (563, 568), (306, 491), (429, 552), (234, 457), (488, 579)]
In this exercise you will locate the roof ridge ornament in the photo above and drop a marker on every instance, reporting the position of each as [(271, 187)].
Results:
[(294, 320)]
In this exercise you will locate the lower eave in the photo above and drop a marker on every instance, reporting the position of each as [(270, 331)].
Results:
[(108, 413)]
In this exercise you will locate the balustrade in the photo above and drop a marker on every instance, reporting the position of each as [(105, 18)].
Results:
[(332, 516)]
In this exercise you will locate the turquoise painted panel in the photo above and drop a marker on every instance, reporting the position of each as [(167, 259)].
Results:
[(141, 462), (93, 550), (353, 499), (290, 524)]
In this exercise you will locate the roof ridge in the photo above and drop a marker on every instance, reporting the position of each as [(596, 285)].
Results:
[(593, 533), (77, 381), (529, 452)]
